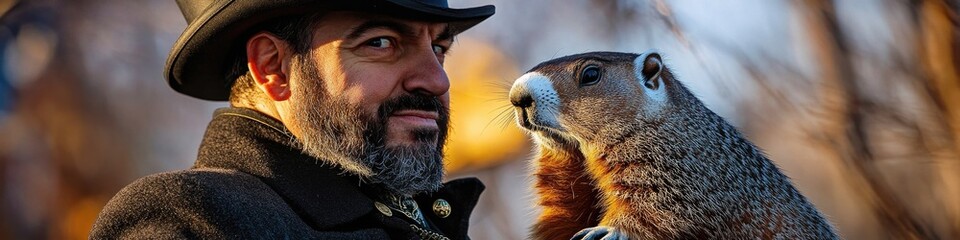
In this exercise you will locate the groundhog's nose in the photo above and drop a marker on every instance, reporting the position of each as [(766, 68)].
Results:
[(521, 100)]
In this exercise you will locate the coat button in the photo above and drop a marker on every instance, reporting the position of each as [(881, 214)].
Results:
[(383, 209), (441, 208)]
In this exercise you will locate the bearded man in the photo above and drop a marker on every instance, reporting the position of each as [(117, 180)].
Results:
[(339, 111)]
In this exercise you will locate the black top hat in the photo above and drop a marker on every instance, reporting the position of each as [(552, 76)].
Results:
[(199, 61)]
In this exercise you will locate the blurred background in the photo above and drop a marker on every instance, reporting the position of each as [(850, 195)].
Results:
[(858, 101)]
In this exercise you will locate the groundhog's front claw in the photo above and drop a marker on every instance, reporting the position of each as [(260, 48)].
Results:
[(600, 233)]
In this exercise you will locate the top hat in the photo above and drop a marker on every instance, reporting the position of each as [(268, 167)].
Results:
[(199, 61)]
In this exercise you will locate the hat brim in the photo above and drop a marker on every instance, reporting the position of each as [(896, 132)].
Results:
[(200, 59)]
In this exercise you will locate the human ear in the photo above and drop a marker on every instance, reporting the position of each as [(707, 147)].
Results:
[(265, 58)]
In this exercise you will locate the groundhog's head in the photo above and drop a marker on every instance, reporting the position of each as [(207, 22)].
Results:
[(590, 96)]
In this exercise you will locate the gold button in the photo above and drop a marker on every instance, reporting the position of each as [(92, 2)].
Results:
[(383, 209), (441, 208)]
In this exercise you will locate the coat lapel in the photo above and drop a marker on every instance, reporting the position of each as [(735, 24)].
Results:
[(461, 196)]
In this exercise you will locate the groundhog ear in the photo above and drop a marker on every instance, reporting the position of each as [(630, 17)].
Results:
[(652, 65)]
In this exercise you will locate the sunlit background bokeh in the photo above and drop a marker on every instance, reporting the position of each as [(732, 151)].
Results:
[(858, 101)]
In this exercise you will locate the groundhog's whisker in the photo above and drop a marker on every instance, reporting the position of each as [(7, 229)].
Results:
[(499, 118), (502, 84)]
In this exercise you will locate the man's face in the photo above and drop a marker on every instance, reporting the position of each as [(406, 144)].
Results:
[(372, 94)]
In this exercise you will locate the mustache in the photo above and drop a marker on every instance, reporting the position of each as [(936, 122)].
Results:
[(412, 102)]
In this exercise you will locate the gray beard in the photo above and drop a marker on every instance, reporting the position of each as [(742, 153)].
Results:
[(340, 134)]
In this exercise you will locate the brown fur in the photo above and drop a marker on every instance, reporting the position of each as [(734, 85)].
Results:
[(566, 193)]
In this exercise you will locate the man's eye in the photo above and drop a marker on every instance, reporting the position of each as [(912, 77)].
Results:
[(380, 42), (437, 49)]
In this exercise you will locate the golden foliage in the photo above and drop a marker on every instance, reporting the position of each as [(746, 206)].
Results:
[(482, 133)]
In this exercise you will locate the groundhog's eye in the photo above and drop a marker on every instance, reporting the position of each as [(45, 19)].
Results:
[(590, 76)]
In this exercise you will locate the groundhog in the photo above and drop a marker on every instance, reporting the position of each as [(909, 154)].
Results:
[(626, 150)]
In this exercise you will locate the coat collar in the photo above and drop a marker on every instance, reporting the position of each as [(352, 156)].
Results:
[(325, 196), (249, 141)]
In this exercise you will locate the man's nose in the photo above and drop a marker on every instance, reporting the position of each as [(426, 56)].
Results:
[(428, 75)]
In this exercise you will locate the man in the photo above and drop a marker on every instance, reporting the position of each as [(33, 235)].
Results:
[(338, 119)]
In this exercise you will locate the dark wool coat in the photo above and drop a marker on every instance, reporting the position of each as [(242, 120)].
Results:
[(251, 182)]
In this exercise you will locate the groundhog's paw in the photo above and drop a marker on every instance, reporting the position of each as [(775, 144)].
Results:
[(600, 233)]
